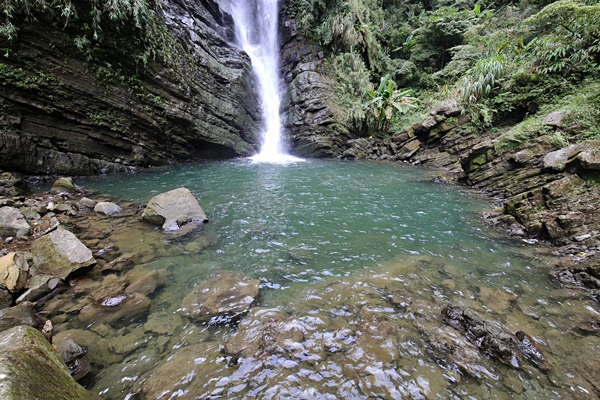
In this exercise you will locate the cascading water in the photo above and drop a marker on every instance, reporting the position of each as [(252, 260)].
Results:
[(257, 32)]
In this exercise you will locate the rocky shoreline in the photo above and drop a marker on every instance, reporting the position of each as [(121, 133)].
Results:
[(102, 288)]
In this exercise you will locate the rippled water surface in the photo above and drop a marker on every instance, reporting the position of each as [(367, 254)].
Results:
[(356, 258)]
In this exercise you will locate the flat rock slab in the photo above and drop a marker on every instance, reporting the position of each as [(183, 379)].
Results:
[(32, 369), (13, 223), (174, 209), (221, 298), (60, 253)]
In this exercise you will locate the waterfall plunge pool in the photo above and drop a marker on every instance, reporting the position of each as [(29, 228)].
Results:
[(357, 259)]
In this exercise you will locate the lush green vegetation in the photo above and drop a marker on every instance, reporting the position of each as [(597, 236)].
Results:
[(119, 37), (506, 61)]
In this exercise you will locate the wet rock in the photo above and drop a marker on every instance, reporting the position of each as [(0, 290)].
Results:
[(496, 300), (64, 185), (86, 204), (75, 357), (192, 371), (32, 369), (38, 287), (221, 298), (163, 323), (21, 314), (116, 310), (126, 342), (174, 209), (264, 331), (121, 263), (451, 346), (557, 118), (13, 223), (60, 253), (96, 346), (145, 282), (14, 272), (107, 208), (492, 338)]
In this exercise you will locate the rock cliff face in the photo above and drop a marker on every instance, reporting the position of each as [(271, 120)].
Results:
[(59, 114), (310, 115)]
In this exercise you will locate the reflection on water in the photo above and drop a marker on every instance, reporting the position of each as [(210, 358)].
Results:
[(356, 261)]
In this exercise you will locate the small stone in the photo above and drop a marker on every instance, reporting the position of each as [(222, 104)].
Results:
[(107, 208)]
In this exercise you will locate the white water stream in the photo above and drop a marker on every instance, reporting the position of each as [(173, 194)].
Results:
[(256, 24)]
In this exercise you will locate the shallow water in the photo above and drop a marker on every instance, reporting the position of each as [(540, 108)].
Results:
[(368, 251)]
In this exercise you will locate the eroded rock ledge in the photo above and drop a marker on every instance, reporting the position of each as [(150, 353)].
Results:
[(59, 114)]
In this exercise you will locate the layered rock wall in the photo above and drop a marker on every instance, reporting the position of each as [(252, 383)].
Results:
[(311, 118), (60, 114)]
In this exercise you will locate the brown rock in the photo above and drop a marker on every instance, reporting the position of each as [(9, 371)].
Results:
[(223, 297)]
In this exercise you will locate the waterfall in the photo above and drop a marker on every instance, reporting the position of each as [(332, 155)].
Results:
[(256, 24)]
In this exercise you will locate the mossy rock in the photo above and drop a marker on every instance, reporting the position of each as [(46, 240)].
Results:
[(32, 369)]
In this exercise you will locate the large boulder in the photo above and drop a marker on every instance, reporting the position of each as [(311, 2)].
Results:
[(116, 310), (13, 223), (75, 357), (32, 369), (174, 209), (221, 298), (64, 185), (60, 253)]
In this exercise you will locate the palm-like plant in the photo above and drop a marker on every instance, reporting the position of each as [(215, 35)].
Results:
[(387, 103)]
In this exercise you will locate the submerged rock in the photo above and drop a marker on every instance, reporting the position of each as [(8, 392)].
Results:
[(60, 253), (13, 223), (75, 357), (492, 338), (32, 369), (174, 209), (116, 309), (220, 299), (264, 331)]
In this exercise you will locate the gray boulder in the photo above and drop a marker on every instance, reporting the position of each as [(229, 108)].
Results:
[(13, 223), (556, 118), (221, 298), (107, 208), (174, 209), (32, 369), (557, 160), (21, 314), (86, 204), (60, 253)]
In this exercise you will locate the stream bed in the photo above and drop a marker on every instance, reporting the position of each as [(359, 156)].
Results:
[(358, 263)]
